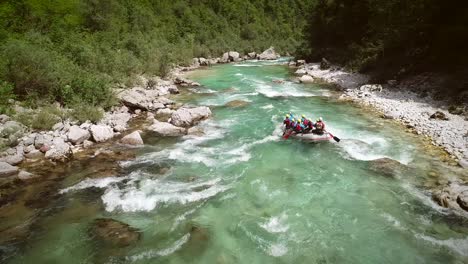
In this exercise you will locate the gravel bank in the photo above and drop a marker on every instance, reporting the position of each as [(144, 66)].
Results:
[(448, 131)]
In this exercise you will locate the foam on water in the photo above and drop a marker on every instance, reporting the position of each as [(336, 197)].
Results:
[(269, 106), (277, 250), (147, 195), (161, 253), (457, 245), (276, 224), (97, 183)]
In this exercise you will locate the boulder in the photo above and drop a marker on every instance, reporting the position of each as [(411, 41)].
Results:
[(167, 129), (385, 167), (439, 116), (14, 159), (4, 118), (87, 144), (164, 114), (60, 151), (34, 154), (325, 64), (233, 56), (203, 61), (371, 88), (300, 62), (113, 232), (186, 117), (29, 140), (252, 55), (43, 140), (454, 196), (132, 139), (268, 54), (224, 58), (196, 131), (11, 132), (118, 121), (76, 135), (195, 63), (140, 98), (301, 72), (306, 79), (7, 170), (101, 133), (236, 104)]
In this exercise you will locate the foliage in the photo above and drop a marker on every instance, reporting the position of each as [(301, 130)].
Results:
[(83, 113), (388, 35), (72, 50), (45, 119), (6, 95)]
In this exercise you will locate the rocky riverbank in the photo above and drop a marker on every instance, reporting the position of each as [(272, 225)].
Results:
[(149, 98), (425, 116)]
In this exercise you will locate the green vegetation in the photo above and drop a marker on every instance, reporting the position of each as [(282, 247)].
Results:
[(82, 113), (387, 36), (73, 51)]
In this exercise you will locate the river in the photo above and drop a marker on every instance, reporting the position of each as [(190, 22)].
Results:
[(241, 194)]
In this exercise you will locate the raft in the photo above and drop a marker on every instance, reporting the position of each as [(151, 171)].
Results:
[(311, 137)]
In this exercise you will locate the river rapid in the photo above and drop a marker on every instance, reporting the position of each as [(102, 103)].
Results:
[(241, 194)]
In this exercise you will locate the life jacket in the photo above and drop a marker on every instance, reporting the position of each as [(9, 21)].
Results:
[(320, 125), (306, 122), (298, 127), (311, 125), (287, 122)]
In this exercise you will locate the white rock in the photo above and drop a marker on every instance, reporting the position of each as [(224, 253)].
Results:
[(268, 54), (132, 139), (186, 117), (24, 175), (167, 129), (7, 170), (300, 72), (101, 133), (87, 144), (77, 135), (60, 151), (306, 79), (233, 55), (34, 154)]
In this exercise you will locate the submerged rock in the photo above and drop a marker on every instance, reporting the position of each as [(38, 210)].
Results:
[(454, 196), (385, 166), (132, 139), (7, 170), (237, 103), (114, 232), (167, 129), (186, 117)]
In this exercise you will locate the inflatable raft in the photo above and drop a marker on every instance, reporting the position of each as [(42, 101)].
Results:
[(310, 136)]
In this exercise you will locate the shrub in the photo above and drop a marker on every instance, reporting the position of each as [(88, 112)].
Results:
[(84, 112), (6, 95), (45, 119)]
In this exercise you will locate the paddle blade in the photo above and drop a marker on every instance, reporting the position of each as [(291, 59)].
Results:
[(336, 139)]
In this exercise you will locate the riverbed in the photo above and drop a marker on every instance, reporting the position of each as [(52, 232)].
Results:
[(239, 193)]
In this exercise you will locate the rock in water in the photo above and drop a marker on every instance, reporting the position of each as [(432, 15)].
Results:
[(268, 54), (167, 129), (462, 200), (233, 56), (306, 79), (236, 103), (76, 135), (385, 166), (7, 170), (186, 117), (300, 72), (114, 232), (132, 139), (439, 115), (454, 196), (101, 133), (325, 64), (60, 151)]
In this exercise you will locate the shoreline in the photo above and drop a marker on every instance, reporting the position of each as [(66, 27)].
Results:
[(149, 99), (404, 106)]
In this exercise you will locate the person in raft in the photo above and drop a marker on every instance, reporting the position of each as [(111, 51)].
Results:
[(287, 121), (319, 127), (308, 124)]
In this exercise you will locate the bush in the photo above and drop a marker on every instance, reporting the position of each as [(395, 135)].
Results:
[(6, 95), (45, 119), (84, 112)]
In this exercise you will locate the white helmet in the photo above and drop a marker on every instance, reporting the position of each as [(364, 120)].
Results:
[(320, 118)]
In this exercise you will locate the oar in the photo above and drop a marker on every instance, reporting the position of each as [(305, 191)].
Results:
[(334, 138), (287, 135)]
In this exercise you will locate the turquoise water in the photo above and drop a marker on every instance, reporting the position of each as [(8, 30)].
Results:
[(241, 194)]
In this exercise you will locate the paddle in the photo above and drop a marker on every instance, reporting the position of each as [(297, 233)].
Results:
[(334, 138), (287, 135)]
